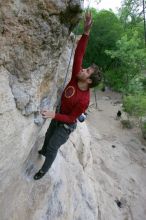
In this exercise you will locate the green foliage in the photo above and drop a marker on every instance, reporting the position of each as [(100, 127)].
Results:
[(135, 105), (137, 27), (131, 60), (114, 79), (106, 30), (131, 16), (143, 81), (131, 12), (136, 86)]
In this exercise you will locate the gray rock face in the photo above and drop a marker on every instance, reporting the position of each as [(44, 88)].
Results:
[(66, 192), (32, 36)]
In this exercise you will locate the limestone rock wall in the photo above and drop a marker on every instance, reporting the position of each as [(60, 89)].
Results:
[(33, 35), (66, 192)]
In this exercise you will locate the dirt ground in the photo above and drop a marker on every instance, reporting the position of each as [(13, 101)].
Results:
[(119, 156), (103, 115)]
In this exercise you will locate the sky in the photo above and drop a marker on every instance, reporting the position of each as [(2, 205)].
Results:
[(104, 4)]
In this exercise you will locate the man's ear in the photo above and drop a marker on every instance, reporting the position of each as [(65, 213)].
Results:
[(89, 81)]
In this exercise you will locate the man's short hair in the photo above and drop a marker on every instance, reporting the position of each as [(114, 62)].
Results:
[(96, 76)]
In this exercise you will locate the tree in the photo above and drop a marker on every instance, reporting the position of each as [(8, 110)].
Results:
[(132, 15), (131, 12), (131, 61), (106, 30)]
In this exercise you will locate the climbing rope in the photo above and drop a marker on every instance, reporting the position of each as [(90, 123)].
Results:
[(40, 121), (46, 101), (65, 79)]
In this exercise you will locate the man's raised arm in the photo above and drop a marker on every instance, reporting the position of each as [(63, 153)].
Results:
[(81, 47)]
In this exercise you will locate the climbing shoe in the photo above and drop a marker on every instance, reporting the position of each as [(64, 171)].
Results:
[(41, 153), (39, 175)]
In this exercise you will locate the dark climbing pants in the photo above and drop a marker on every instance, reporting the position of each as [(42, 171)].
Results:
[(56, 135)]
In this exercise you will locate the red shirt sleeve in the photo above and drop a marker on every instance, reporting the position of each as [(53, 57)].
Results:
[(79, 54), (71, 118)]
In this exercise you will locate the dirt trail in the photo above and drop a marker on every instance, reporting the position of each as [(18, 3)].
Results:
[(119, 161)]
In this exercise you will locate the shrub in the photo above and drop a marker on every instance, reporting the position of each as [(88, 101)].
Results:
[(135, 105)]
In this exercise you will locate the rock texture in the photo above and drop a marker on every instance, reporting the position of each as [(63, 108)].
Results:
[(66, 192), (32, 35)]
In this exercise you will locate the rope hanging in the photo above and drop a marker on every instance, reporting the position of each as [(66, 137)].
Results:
[(64, 82), (39, 120), (59, 99)]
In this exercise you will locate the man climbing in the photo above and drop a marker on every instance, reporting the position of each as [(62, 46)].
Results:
[(74, 102)]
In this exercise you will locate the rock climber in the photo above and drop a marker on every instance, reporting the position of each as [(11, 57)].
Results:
[(74, 101)]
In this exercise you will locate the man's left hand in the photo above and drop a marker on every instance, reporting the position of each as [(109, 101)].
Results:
[(87, 22), (47, 114)]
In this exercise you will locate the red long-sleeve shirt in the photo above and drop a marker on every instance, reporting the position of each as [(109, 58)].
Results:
[(74, 101)]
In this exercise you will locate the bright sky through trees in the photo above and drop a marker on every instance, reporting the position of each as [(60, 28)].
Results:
[(104, 4)]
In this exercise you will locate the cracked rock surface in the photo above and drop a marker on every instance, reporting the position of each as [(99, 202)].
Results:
[(33, 34)]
